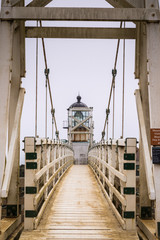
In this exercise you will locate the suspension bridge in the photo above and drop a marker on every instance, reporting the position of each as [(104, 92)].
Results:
[(80, 189)]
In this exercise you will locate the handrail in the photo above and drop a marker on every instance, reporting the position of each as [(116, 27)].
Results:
[(46, 164), (113, 170), (114, 160)]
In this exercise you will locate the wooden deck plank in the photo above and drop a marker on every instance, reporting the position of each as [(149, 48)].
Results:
[(78, 210)]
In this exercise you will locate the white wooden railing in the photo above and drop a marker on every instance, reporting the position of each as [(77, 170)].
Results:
[(114, 165), (46, 161)]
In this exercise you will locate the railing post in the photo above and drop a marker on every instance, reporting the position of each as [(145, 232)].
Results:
[(30, 187), (129, 190), (112, 161), (103, 166)]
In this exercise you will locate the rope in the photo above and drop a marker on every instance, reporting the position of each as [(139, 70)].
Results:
[(114, 71), (49, 87), (124, 47), (36, 84)]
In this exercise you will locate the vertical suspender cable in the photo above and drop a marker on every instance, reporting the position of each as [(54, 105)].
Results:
[(124, 48), (46, 112), (113, 110), (52, 127), (36, 84)]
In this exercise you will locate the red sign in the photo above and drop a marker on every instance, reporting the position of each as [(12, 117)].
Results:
[(155, 136)]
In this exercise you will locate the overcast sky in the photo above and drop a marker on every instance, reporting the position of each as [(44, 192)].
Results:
[(79, 66)]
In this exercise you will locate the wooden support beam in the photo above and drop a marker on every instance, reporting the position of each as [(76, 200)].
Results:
[(81, 123), (146, 152), (153, 56), (5, 85), (13, 146), (39, 3), (126, 3), (80, 14), (79, 32)]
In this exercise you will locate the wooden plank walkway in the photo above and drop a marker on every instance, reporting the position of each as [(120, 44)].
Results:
[(78, 210)]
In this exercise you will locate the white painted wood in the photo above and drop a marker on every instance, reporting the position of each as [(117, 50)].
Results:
[(116, 161), (12, 147), (73, 32), (153, 56), (143, 85), (80, 14), (126, 3), (5, 78), (131, 144), (113, 170), (50, 168), (147, 157), (38, 3)]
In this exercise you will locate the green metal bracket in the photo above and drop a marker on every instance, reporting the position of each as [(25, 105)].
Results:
[(129, 166), (30, 213), (129, 190), (129, 214), (158, 229), (31, 165), (146, 212), (31, 156), (31, 190), (129, 156), (12, 210)]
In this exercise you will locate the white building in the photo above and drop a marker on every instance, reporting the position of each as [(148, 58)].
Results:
[(80, 130)]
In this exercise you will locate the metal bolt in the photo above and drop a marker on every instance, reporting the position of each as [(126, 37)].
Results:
[(153, 14), (7, 12), (152, 5)]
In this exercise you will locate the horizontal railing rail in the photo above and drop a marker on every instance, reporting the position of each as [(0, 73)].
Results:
[(46, 162), (114, 165)]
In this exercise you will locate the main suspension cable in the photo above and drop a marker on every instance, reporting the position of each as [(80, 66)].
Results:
[(114, 72), (49, 87)]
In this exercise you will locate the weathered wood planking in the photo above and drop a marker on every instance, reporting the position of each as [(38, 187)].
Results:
[(78, 210)]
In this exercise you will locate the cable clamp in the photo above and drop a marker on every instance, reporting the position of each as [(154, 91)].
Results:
[(46, 72), (114, 72)]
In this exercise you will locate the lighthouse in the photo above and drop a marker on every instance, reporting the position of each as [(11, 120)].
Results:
[(80, 129)]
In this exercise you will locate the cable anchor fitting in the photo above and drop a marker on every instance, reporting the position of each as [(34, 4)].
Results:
[(114, 72), (57, 134), (52, 112), (107, 112), (103, 134), (46, 72)]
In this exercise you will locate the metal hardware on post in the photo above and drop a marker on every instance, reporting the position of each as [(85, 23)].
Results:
[(114, 72)]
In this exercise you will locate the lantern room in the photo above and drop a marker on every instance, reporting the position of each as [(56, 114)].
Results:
[(80, 124)]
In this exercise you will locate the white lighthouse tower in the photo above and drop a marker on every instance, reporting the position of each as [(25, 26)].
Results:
[(80, 129)]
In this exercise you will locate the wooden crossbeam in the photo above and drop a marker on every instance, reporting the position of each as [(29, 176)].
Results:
[(79, 32), (39, 3), (80, 14), (126, 3), (81, 123)]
